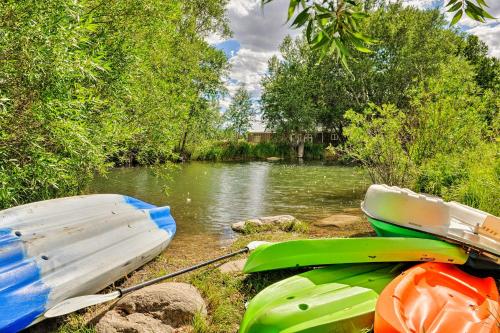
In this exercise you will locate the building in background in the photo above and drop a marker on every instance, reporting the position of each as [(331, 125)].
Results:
[(260, 133)]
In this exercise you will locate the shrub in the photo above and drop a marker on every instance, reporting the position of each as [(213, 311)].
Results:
[(292, 226), (375, 139), (243, 150), (313, 151), (265, 149), (442, 144)]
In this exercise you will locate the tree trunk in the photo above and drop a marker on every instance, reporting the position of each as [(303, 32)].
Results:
[(183, 144), (300, 148), (186, 131)]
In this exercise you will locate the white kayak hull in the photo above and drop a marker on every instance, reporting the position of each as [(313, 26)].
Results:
[(56, 249), (451, 220)]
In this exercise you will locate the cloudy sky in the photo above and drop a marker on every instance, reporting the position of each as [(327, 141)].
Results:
[(258, 32)]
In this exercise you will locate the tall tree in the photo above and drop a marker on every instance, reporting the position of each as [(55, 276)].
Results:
[(86, 83), (333, 26), (303, 90), (487, 68), (435, 144), (240, 113), (288, 98)]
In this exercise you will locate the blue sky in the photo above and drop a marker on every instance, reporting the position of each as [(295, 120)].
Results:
[(258, 32), (230, 47)]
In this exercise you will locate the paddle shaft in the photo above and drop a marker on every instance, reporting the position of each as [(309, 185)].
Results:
[(124, 291)]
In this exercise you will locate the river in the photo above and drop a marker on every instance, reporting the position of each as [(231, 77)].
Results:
[(205, 198)]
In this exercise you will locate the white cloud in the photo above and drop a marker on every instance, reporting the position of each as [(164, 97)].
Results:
[(490, 34), (259, 28), (248, 66), (420, 3), (242, 7), (260, 31)]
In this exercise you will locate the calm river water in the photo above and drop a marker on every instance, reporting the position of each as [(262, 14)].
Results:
[(205, 198)]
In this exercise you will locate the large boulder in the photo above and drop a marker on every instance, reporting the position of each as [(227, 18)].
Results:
[(159, 308), (114, 322), (278, 219), (242, 225), (266, 222)]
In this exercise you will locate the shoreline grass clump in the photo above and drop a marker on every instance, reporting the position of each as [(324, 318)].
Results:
[(296, 226), (246, 151)]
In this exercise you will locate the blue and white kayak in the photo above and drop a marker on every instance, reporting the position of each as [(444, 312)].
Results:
[(55, 249)]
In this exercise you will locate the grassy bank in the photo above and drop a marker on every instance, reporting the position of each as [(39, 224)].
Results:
[(244, 151), (225, 293)]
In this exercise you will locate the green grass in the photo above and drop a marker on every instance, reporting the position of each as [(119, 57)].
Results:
[(292, 226), (75, 323), (200, 324), (226, 295)]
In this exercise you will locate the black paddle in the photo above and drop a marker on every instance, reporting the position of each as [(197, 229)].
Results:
[(80, 302)]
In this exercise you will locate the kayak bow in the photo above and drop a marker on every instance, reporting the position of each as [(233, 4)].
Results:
[(338, 298), (318, 252), (55, 249)]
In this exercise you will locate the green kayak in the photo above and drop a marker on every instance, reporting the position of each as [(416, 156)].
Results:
[(475, 261), (339, 298), (384, 229), (319, 252)]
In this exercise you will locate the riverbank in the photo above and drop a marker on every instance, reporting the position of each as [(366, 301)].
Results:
[(246, 151), (224, 293)]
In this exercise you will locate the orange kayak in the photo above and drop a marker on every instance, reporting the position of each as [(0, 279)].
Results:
[(437, 297)]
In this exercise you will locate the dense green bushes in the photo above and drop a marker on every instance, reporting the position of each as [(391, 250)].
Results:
[(443, 144), (84, 83), (50, 101), (243, 150), (471, 177)]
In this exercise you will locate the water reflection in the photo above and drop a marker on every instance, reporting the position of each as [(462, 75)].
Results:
[(207, 197)]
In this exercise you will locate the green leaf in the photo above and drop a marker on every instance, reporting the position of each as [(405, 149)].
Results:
[(473, 15), (291, 8), (321, 9), (358, 45), (456, 17), (364, 38), (363, 49), (455, 7), (309, 31), (359, 15), (301, 18), (321, 41), (341, 47), (483, 3), (478, 11), (487, 15)]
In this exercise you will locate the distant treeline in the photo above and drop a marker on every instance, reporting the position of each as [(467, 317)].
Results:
[(245, 151)]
